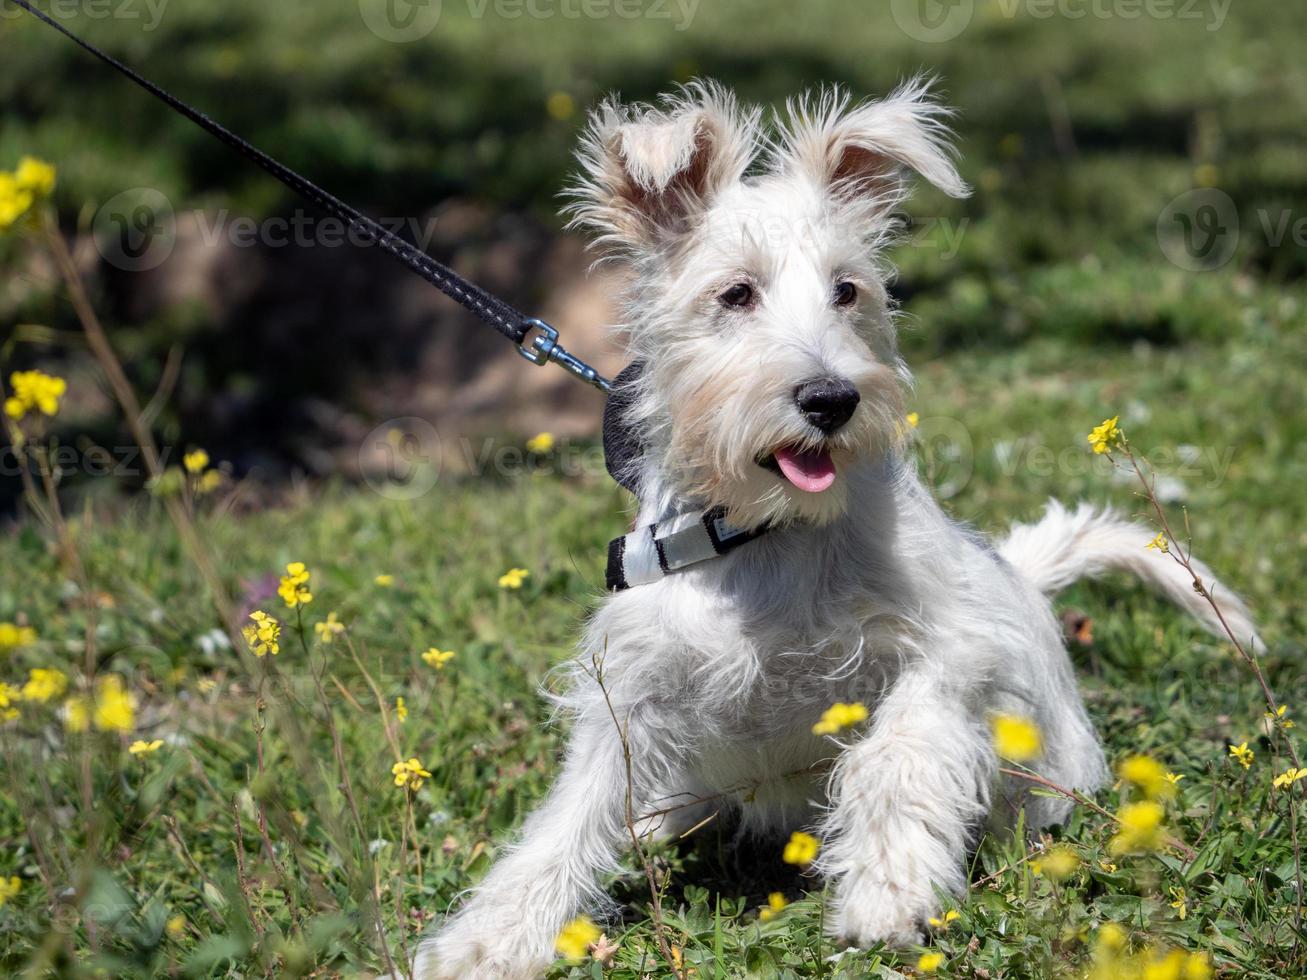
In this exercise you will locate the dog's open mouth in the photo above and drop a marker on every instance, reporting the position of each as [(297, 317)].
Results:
[(810, 470)]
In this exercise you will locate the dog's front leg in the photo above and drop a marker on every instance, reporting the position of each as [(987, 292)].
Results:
[(508, 927), (906, 800)]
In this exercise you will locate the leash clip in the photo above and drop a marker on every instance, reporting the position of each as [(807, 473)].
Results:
[(544, 347)]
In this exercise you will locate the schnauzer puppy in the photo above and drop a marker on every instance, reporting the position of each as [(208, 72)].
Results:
[(770, 404)]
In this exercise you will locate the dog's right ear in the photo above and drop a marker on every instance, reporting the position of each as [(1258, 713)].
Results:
[(647, 171)]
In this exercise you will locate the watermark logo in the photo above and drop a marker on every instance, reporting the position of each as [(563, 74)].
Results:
[(149, 13), (401, 459), (1199, 230), (401, 21), (136, 230), (932, 21)]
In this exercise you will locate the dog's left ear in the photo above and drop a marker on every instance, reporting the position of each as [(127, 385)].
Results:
[(648, 170), (862, 150)]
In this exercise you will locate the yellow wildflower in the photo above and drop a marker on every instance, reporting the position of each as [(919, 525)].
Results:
[(9, 888), (1016, 738), (409, 774), (140, 747), (540, 444), (1140, 830), (77, 715), (294, 587), (950, 917), (1179, 903), (574, 942), (1057, 864), (1107, 866), (1174, 778), (775, 906), (14, 201), (513, 578), (115, 707), (401, 710), (1107, 436), (1160, 543), (913, 419), (44, 684), (196, 461), (329, 629), (208, 482), (263, 635), (34, 391), (9, 696), (1289, 777), (35, 176), (801, 849), (1149, 775), (930, 962), (175, 927), (385, 581), (1242, 753), (840, 716), (1163, 965), (438, 658), (12, 637), (1281, 715), (1197, 967)]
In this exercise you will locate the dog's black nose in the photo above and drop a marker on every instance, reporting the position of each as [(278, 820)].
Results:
[(827, 402)]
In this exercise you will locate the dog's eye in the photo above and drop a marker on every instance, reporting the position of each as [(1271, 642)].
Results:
[(845, 293), (741, 294)]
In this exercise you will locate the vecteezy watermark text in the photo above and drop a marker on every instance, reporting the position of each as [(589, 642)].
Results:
[(403, 21), (148, 12), (937, 21)]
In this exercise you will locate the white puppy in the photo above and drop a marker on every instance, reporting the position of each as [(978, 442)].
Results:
[(772, 389)]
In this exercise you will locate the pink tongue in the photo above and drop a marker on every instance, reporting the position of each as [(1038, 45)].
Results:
[(810, 471)]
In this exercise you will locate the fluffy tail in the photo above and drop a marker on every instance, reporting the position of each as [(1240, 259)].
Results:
[(1085, 543)]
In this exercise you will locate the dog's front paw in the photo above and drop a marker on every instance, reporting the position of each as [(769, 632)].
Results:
[(460, 954), (866, 912)]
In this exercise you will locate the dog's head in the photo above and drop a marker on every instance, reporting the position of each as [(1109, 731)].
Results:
[(758, 302)]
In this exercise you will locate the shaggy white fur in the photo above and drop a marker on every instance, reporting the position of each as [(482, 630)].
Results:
[(756, 268)]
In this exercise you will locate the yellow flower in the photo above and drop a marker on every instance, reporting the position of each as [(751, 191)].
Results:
[(1058, 863), (560, 106), (1107, 866), (385, 581), (77, 715), (950, 917), (1179, 904), (1140, 830), (801, 849), (175, 927), (1174, 778), (35, 176), (9, 888), (208, 482), (1197, 967), (1289, 777), (930, 962), (840, 716), (263, 635), (409, 774), (9, 696), (140, 747), (1149, 775), (513, 578), (1160, 543), (438, 658), (913, 419), (401, 710), (1242, 753), (294, 587), (1016, 738), (330, 629), (775, 906), (34, 391), (196, 461), (1107, 436), (115, 708), (540, 444), (14, 202), (574, 942), (12, 637), (1163, 966), (44, 684), (1280, 715)]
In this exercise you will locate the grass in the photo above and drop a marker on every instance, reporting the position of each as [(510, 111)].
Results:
[(1153, 682)]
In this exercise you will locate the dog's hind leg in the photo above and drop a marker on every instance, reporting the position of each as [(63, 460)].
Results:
[(906, 801)]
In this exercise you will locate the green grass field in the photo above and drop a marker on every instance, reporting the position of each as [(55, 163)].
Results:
[(266, 837)]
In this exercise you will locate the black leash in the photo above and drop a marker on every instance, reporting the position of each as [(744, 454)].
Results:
[(543, 346)]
